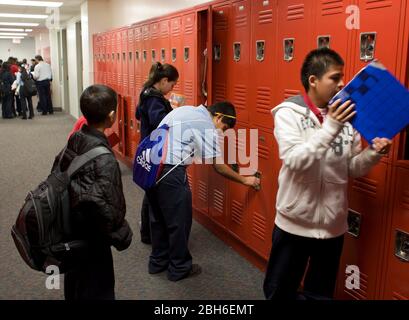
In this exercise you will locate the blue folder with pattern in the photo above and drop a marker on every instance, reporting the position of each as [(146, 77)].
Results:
[(381, 102)]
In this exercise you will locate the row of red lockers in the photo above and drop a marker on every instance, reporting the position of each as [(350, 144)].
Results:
[(255, 52)]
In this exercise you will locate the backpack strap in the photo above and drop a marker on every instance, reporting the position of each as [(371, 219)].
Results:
[(83, 159)]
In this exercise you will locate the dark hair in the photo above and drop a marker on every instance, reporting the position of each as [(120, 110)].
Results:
[(159, 71), (97, 102), (6, 66), (25, 61), (225, 108), (39, 58), (317, 63)]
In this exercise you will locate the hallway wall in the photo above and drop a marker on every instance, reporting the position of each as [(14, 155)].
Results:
[(25, 49)]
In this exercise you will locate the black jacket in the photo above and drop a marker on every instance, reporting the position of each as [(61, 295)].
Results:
[(151, 110), (97, 200)]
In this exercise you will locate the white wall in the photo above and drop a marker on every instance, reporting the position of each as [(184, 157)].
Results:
[(42, 44), (94, 19), (73, 67), (26, 49), (124, 12)]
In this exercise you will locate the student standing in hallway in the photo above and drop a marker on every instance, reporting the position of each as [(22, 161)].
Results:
[(152, 108), (320, 150), (43, 76)]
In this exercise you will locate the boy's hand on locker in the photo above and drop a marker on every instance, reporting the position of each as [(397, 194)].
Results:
[(381, 145), (252, 182), (341, 112)]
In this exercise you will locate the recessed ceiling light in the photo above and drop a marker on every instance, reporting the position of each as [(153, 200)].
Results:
[(19, 24), (23, 16), (12, 34), (13, 30), (9, 37), (52, 4), (28, 30)]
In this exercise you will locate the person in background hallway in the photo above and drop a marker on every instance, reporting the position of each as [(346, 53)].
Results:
[(43, 76), (7, 101), (32, 65), (319, 150), (152, 108), (97, 201), (14, 68), (25, 97)]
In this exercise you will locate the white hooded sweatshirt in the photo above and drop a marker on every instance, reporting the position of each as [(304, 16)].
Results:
[(317, 161)]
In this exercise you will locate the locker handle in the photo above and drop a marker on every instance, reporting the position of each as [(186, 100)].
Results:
[(258, 175), (367, 46), (262, 138), (402, 245), (138, 126), (131, 124), (354, 223)]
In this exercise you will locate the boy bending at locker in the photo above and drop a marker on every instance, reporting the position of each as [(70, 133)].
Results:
[(97, 201), (319, 150)]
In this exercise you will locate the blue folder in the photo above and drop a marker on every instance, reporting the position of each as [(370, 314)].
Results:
[(381, 102)]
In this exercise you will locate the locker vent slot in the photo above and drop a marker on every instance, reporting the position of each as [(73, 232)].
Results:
[(145, 33), (265, 16), (259, 226), (240, 93), (241, 21), (398, 296), (220, 92), (237, 210), (295, 12), (218, 201), (189, 178), (263, 152), (263, 103), (362, 292), (365, 185), (202, 191), (377, 4), (155, 32), (405, 200), (330, 7), (176, 27), (288, 93), (138, 34), (189, 26), (221, 23), (188, 90), (164, 29)]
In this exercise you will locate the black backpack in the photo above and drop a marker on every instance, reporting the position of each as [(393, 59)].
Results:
[(43, 227), (29, 89)]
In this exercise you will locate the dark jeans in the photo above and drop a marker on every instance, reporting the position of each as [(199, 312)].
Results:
[(171, 221), (27, 102), (93, 278), (44, 93), (18, 105), (288, 260), (6, 106), (145, 224)]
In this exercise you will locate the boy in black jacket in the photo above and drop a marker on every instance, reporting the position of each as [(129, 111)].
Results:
[(97, 201)]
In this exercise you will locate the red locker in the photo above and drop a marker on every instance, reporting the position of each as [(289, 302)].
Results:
[(239, 59), (364, 241), (238, 210), (221, 51), (201, 188), (188, 54), (262, 63), (138, 62), (262, 202), (124, 62), (118, 69), (127, 130), (164, 54), (155, 42), (131, 62), (397, 275), (294, 41), (108, 59), (95, 51), (146, 49), (176, 51)]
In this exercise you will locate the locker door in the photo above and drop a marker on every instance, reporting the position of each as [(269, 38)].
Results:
[(364, 241), (222, 51), (294, 41), (95, 51), (138, 62), (117, 126), (188, 55), (262, 202), (108, 60), (146, 48), (263, 64), (127, 129), (118, 71), (124, 62), (397, 275), (155, 41), (238, 211), (164, 54), (201, 190), (131, 62), (239, 60), (176, 52)]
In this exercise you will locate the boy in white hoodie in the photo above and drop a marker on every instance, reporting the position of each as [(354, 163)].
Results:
[(320, 149)]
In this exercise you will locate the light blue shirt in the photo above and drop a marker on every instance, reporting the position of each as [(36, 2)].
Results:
[(191, 129)]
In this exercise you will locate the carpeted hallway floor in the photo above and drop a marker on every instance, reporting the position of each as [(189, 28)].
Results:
[(27, 151)]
